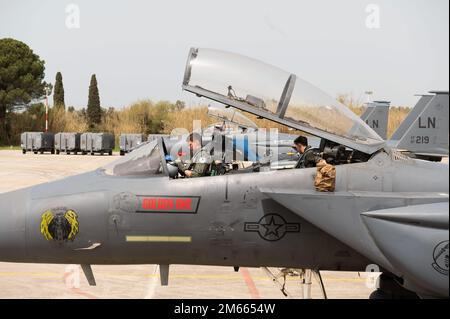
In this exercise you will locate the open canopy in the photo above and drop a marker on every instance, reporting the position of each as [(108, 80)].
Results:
[(280, 96), (232, 116)]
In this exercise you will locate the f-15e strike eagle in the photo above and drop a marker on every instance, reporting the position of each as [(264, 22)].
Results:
[(386, 209)]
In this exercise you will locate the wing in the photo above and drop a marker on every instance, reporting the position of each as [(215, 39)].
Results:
[(404, 233), (415, 240)]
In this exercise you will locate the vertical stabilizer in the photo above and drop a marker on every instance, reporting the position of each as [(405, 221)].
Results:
[(425, 130), (376, 116)]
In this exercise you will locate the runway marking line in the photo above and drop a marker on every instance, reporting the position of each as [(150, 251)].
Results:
[(78, 291), (82, 293), (250, 283)]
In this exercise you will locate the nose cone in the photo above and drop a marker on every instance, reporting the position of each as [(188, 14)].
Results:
[(13, 207)]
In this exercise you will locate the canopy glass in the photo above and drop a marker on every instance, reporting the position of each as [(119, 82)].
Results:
[(231, 115), (268, 90)]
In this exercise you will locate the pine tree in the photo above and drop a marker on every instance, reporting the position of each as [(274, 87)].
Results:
[(58, 94), (21, 82), (94, 112)]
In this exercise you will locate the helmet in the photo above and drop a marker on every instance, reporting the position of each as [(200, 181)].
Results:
[(172, 168)]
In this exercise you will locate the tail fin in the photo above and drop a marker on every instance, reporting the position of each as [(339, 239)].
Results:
[(376, 116), (412, 116), (425, 129)]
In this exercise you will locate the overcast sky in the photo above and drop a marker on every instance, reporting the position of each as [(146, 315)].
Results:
[(138, 49)]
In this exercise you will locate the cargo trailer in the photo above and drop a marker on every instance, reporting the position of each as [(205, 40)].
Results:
[(37, 142), (97, 143), (67, 142)]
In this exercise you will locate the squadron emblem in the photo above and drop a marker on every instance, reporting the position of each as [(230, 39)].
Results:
[(441, 258), (59, 224)]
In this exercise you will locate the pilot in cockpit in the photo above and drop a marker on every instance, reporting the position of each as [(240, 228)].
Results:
[(308, 157), (201, 161)]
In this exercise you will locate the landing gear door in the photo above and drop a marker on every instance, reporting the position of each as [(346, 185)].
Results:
[(123, 204)]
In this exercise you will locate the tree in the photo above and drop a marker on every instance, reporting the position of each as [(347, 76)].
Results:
[(179, 105), (94, 111), (58, 93), (159, 115), (21, 80)]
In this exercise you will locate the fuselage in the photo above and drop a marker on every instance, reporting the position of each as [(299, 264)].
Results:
[(223, 220)]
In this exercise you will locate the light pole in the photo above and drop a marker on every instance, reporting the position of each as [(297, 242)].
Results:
[(369, 96), (47, 93)]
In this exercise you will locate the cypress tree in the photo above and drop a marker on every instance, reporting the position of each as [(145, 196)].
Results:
[(58, 94), (94, 112)]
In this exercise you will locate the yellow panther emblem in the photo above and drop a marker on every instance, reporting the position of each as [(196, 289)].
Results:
[(59, 224)]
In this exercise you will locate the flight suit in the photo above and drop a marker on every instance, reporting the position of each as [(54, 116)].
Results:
[(307, 159), (200, 163)]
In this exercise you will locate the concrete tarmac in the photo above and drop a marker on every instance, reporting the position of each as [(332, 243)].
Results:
[(141, 281)]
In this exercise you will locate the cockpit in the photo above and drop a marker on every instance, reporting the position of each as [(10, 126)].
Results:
[(145, 160), (152, 159), (268, 92)]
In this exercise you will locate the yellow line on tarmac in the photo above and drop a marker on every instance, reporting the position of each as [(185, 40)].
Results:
[(178, 276), (259, 278)]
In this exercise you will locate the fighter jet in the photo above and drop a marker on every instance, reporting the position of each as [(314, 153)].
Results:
[(385, 209)]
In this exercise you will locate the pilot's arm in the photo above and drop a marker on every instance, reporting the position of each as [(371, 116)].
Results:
[(198, 170), (310, 159), (182, 167)]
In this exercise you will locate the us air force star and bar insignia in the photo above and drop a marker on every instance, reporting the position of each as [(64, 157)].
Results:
[(59, 224), (272, 227)]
